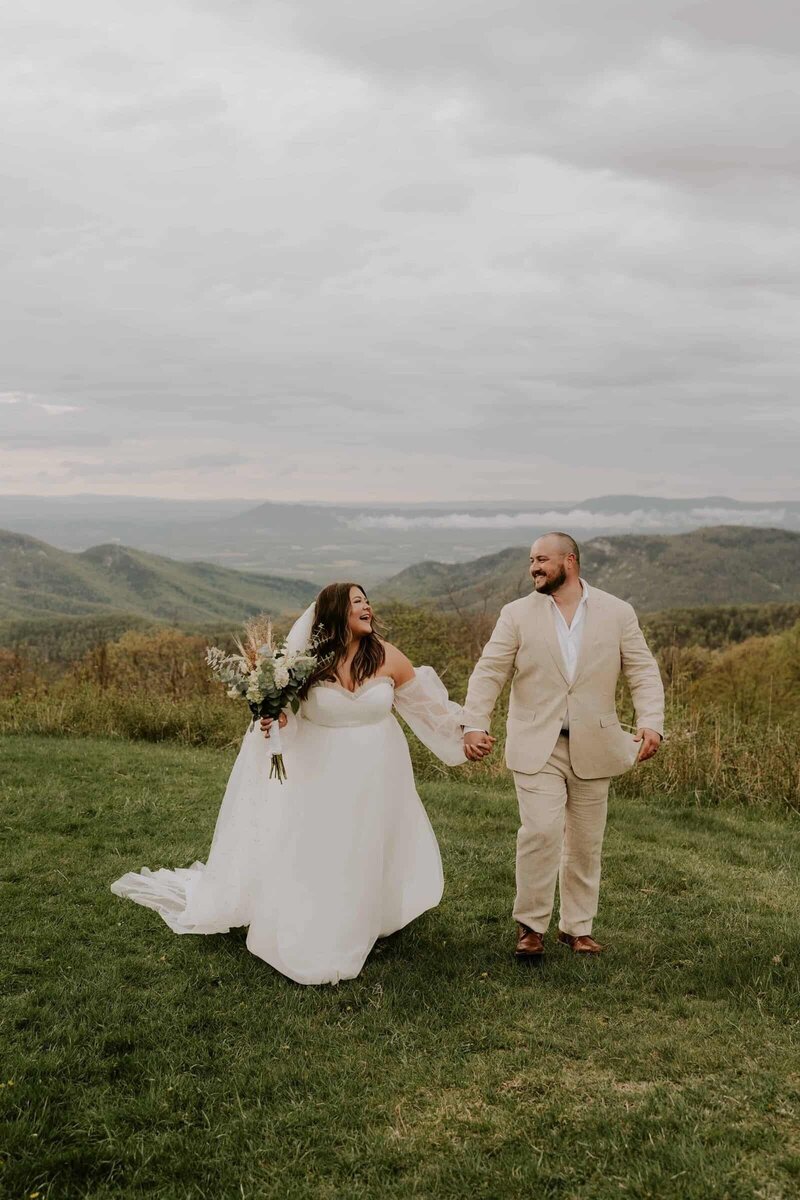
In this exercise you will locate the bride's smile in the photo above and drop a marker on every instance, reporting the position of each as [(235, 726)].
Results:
[(360, 617)]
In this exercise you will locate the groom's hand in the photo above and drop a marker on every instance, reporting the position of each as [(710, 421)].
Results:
[(478, 744), (650, 742)]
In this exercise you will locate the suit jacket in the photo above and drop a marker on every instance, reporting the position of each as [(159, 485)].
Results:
[(525, 641)]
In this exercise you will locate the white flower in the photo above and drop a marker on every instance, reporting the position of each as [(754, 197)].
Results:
[(281, 677)]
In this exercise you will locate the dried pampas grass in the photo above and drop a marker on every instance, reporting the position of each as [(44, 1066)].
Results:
[(257, 633)]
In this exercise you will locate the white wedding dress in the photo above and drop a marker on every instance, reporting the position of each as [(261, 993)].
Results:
[(338, 855)]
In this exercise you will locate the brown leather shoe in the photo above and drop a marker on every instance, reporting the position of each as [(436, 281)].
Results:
[(583, 944), (530, 944)]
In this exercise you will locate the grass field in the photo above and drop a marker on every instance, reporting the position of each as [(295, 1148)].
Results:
[(140, 1064)]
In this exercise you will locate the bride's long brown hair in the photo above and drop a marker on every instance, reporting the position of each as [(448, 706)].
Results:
[(331, 616)]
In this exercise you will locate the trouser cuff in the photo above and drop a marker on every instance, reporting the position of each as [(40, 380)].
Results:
[(577, 929), (535, 923)]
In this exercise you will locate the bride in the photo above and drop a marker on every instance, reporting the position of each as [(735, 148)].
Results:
[(342, 852)]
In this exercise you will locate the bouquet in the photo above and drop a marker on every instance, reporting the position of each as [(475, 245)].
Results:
[(268, 676)]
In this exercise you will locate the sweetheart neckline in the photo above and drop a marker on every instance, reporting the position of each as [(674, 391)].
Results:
[(330, 683)]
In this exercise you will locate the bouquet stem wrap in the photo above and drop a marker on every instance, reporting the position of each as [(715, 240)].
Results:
[(277, 769)]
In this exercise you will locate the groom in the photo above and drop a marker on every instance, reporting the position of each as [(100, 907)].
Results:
[(565, 644)]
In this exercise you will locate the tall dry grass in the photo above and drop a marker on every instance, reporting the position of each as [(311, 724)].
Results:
[(151, 685), (733, 728)]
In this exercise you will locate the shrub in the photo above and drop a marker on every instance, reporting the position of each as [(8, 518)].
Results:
[(732, 714), (163, 662), (758, 679)]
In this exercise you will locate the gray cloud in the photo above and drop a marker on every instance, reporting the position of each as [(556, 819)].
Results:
[(428, 196), (420, 250), (205, 461), (713, 75)]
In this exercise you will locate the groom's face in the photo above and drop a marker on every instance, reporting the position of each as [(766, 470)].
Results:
[(548, 567)]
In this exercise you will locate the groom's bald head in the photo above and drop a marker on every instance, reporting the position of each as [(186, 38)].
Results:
[(561, 543)]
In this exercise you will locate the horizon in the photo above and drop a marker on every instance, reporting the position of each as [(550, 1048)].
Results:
[(426, 559), (521, 504), (296, 535)]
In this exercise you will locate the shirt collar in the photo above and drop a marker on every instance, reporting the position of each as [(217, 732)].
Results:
[(584, 595)]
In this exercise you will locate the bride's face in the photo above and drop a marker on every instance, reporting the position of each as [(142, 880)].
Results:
[(359, 620)]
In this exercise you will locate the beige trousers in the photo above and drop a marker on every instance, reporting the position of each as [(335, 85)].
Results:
[(563, 820)]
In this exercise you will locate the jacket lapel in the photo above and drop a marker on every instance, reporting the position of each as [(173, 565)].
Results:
[(590, 627), (551, 638)]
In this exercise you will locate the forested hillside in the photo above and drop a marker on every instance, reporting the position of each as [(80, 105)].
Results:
[(37, 580), (725, 565)]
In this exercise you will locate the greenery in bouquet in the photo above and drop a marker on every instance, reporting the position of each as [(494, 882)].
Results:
[(267, 675)]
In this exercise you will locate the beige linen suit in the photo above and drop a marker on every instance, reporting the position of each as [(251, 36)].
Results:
[(562, 781)]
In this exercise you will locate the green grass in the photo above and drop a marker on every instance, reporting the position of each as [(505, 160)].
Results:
[(145, 1064)]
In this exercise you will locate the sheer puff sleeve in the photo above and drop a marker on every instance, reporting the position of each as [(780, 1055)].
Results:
[(437, 721)]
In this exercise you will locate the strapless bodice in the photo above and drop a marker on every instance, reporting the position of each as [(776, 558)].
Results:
[(333, 705)]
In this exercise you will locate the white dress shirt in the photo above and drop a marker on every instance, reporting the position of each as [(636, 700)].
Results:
[(570, 638)]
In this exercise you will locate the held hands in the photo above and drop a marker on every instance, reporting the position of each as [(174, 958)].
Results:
[(650, 742), (266, 722), (478, 744)]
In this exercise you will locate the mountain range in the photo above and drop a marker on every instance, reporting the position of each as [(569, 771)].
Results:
[(369, 542), (37, 580), (716, 566)]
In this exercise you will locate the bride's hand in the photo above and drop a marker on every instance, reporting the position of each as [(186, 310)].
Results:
[(266, 723), (478, 744)]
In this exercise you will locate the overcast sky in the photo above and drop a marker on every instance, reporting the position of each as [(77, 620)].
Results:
[(426, 249)]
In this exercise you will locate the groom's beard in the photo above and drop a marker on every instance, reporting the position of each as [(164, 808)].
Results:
[(548, 586)]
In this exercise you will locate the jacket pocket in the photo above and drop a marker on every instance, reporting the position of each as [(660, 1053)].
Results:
[(609, 719)]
